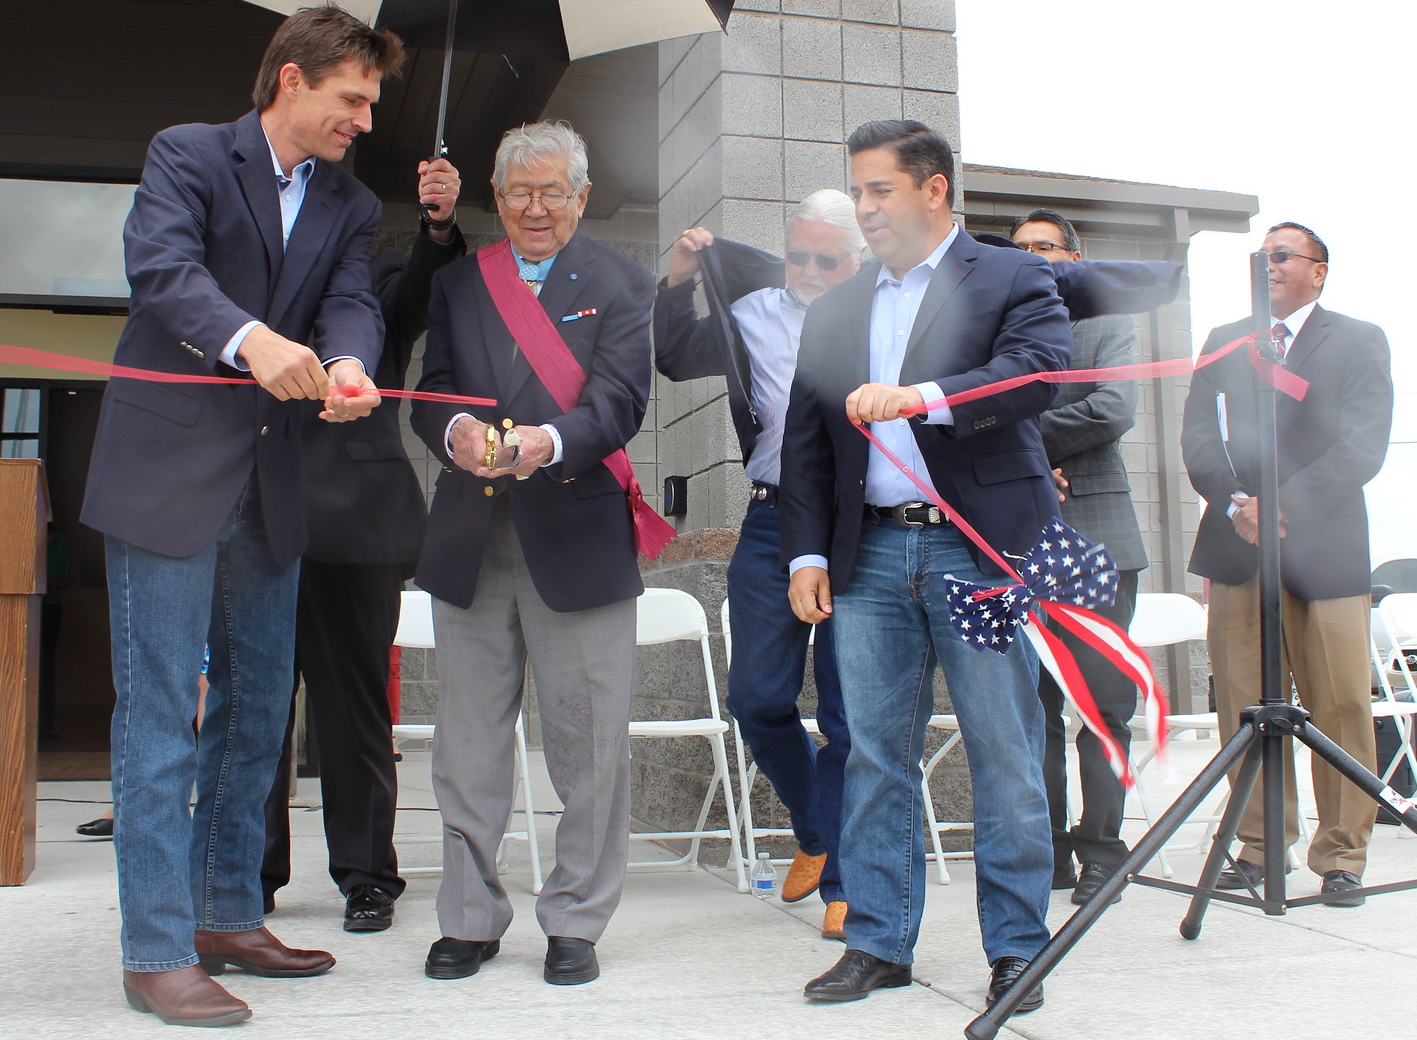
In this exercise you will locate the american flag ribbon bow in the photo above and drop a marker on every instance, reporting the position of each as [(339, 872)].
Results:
[(1067, 577)]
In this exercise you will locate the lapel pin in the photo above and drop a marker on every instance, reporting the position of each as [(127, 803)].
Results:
[(589, 312)]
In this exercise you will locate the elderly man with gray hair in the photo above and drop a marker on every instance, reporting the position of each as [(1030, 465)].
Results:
[(756, 349), (530, 554)]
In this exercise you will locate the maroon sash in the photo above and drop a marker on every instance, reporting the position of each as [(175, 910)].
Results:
[(556, 367)]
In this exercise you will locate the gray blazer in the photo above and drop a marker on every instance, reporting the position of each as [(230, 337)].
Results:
[(1082, 434)]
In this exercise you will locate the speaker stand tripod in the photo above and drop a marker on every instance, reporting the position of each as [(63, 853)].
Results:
[(1259, 746)]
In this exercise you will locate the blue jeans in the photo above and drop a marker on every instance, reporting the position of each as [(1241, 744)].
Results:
[(181, 869), (764, 682), (891, 628)]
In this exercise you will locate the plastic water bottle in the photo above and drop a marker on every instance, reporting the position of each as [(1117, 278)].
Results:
[(764, 877)]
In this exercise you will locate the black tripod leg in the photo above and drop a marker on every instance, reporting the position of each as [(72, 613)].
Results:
[(1225, 834), (1358, 774), (1276, 754), (986, 1026)]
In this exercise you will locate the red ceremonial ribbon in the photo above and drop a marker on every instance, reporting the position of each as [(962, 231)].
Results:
[(1110, 641), (1097, 632), (69, 363), (562, 375), (1277, 376)]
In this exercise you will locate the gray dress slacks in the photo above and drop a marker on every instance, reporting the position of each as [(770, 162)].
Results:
[(583, 664)]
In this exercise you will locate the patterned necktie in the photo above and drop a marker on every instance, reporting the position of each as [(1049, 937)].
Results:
[(1280, 333)]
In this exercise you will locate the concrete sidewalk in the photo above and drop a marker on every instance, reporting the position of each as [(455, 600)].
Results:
[(688, 956)]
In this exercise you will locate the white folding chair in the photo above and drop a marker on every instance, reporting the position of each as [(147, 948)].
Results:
[(415, 630), (1161, 619), (1397, 612), (667, 616), (748, 775)]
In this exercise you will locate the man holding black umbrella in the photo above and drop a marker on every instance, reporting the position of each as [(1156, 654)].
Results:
[(756, 348)]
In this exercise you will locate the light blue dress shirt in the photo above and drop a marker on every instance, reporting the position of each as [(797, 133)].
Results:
[(893, 311), (292, 197), (771, 323)]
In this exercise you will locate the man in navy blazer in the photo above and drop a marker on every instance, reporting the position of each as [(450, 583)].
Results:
[(1329, 445), (532, 560), (940, 314), (246, 242)]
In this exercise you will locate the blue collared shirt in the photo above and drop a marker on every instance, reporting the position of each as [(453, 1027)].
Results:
[(292, 197), (893, 311), (771, 323)]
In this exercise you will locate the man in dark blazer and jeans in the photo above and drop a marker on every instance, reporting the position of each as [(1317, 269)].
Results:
[(1330, 444), (941, 313), (1082, 434), (366, 529), (246, 242)]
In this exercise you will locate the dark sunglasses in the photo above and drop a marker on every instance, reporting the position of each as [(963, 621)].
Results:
[(799, 258), (1279, 256)]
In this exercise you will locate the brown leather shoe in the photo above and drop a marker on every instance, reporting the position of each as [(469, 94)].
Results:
[(803, 876), (184, 997), (259, 952), (834, 923)]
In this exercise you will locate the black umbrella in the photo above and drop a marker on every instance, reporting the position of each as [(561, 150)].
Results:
[(558, 29)]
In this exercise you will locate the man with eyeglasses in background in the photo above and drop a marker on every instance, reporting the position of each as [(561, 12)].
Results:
[(1082, 433), (755, 347), (530, 554), (1329, 445)]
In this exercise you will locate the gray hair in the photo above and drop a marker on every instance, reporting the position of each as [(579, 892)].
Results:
[(535, 144), (834, 208)]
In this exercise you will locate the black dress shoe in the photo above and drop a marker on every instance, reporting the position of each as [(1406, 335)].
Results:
[(268, 903), (458, 958), (855, 975), (99, 828), (570, 961), (1093, 876), (1064, 878), (1243, 871), (1342, 881), (1002, 976), (368, 908)]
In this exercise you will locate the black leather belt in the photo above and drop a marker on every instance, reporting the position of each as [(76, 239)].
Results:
[(762, 492), (908, 514)]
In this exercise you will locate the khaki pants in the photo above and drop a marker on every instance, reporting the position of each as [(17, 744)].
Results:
[(1326, 654)]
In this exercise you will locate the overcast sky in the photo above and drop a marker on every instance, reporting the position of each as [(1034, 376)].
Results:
[(1307, 105)]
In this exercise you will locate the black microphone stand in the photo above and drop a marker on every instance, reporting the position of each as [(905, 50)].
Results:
[(1259, 745)]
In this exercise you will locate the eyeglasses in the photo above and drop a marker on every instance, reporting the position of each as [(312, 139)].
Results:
[(1280, 256), (520, 200), (1041, 248), (825, 261)]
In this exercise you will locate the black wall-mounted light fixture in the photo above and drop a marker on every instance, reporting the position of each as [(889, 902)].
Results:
[(676, 496)]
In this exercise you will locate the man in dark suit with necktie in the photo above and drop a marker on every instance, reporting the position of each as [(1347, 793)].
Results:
[(1082, 433), (246, 242), (366, 529), (1330, 444), (531, 557), (941, 313)]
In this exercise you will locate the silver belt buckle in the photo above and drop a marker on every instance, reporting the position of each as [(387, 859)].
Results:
[(898, 514), (758, 493)]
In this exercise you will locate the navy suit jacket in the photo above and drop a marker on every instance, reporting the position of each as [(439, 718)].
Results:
[(1330, 445), (204, 256), (572, 517), (988, 314)]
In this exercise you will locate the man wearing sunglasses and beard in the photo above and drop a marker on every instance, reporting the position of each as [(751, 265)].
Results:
[(758, 356), (1329, 445)]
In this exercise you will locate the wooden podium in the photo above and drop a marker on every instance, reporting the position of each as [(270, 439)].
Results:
[(24, 513)]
